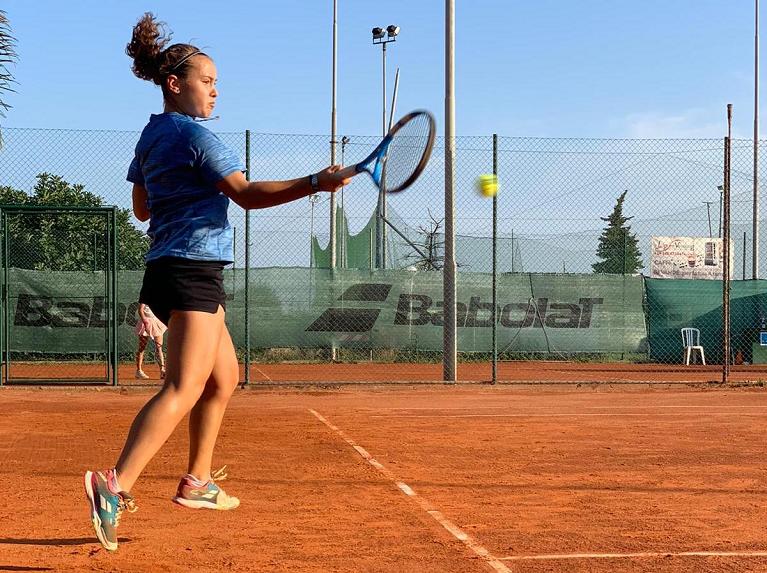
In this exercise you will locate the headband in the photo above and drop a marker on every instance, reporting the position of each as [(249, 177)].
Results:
[(185, 58)]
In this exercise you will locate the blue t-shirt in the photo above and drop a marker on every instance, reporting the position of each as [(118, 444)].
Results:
[(179, 162)]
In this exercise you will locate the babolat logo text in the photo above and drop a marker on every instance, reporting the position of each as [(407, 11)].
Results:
[(353, 319), (422, 310), (60, 312), (419, 309), (36, 310)]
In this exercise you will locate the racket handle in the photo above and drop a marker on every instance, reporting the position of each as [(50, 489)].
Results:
[(348, 172)]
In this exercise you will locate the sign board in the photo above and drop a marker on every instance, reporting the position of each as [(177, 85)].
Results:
[(688, 258)]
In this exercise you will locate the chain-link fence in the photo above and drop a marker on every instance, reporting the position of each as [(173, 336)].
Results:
[(575, 222)]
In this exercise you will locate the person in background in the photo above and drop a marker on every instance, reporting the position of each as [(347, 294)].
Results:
[(149, 326)]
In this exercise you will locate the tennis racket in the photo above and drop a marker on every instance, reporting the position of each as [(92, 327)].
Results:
[(402, 155)]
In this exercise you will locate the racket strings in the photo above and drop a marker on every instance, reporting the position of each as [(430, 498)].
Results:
[(406, 151)]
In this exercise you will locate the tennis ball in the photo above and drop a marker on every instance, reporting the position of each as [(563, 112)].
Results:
[(487, 185)]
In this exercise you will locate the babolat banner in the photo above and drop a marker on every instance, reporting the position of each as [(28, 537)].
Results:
[(64, 312)]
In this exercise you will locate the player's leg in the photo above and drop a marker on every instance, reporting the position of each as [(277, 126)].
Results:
[(160, 355), (198, 488), (142, 342), (193, 341)]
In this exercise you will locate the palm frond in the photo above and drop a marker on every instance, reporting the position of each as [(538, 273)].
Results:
[(7, 57)]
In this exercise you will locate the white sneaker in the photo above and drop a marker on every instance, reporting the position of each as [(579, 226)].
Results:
[(141, 375)]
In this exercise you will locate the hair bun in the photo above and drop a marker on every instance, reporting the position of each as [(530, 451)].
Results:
[(146, 45)]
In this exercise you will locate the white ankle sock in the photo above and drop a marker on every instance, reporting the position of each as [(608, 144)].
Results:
[(115, 485), (194, 480)]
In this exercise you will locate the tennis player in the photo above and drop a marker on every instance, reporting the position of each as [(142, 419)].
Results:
[(183, 178), (149, 326)]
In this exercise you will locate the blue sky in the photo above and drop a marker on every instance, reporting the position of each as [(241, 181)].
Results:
[(549, 68)]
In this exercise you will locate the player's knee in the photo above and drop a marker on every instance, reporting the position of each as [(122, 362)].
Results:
[(182, 398)]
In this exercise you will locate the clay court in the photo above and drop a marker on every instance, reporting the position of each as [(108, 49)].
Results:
[(468, 478)]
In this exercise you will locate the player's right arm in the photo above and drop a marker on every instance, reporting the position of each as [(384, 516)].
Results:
[(140, 208), (260, 194)]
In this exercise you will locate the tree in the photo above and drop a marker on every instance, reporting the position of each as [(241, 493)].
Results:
[(618, 246), (7, 56), (430, 252), (67, 241)]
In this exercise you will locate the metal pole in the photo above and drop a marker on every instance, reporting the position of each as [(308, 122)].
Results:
[(6, 300), (708, 210), (755, 238), (449, 339), (383, 94), (726, 253), (393, 100), (333, 138), (115, 278), (311, 228), (726, 269), (344, 235), (384, 206), (721, 202), (108, 293), (4, 314), (246, 381), (495, 264), (381, 194), (744, 257), (333, 349), (512, 250)]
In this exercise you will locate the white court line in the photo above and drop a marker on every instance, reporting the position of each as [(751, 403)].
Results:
[(456, 531), (634, 555), (261, 372), (566, 415), (517, 407)]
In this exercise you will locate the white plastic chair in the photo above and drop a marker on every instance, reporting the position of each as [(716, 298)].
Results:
[(691, 341)]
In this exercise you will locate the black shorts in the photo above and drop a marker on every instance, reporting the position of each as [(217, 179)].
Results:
[(172, 283)]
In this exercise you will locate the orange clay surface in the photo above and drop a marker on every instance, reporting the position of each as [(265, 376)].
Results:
[(328, 373), (457, 479)]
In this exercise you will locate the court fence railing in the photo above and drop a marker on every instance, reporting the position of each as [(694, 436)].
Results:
[(575, 222)]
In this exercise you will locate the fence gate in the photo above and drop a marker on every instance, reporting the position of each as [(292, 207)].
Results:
[(58, 327)]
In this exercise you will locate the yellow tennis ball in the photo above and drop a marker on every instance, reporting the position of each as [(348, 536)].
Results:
[(487, 185)]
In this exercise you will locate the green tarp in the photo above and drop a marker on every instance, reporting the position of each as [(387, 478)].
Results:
[(62, 312), (673, 304)]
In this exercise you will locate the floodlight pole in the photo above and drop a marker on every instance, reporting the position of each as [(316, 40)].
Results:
[(755, 238), (379, 37), (332, 244), (449, 339), (381, 189)]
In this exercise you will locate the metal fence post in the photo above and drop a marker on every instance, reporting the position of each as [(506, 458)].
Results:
[(495, 264), (247, 266)]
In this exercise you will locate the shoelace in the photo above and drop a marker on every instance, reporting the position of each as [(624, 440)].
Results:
[(219, 475), (125, 503)]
